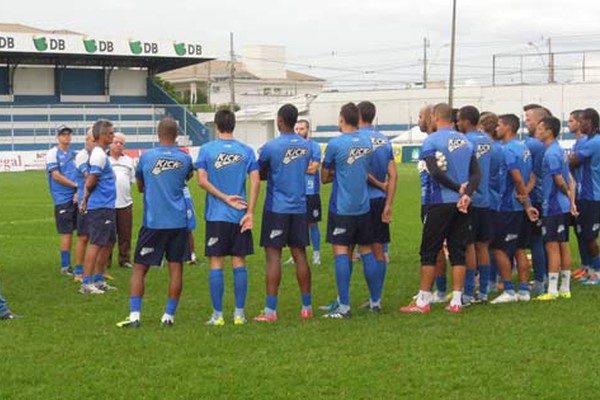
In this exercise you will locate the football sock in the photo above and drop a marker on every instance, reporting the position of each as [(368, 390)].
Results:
[(596, 264), (171, 306), (86, 280), (239, 312), (523, 288), (423, 298), (342, 277), (509, 287), (441, 283), (65, 258), (484, 277), (135, 308), (78, 269), (372, 276), (565, 281), (315, 238), (553, 283), (456, 298), (470, 283), (306, 301), (216, 288), (99, 277), (240, 286), (271, 306), (382, 269), (538, 258)]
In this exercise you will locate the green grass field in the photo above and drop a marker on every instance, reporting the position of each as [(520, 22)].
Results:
[(68, 345)]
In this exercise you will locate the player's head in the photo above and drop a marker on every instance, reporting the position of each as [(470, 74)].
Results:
[(287, 116), (574, 121), (534, 113), (426, 119), (442, 116), (468, 118), (64, 135), (366, 113), (225, 121), (508, 126), (348, 119), (167, 131), (589, 121), (103, 132), (548, 129), (89, 139), (118, 144), (302, 128), (488, 123)]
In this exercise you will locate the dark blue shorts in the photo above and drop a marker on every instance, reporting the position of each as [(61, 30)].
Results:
[(423, 212), (381, 230), (482, 226), (154, 244), (313, 208), (555, 228), (65, 216), (83, 224), (102, 226), (443, 222), (507, 226), (225, 239), (350, 230), (529, 229), (588, 221), (281, 230)]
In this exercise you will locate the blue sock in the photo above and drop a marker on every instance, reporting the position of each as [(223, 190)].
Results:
[(78, 269), (86, 280), (382, 269), (65, 258), (342, 277), (509, 287), (538, 258), (216, 287), (240, 286), (583, 253), (98, 277), (469, 289), (371, 274), (523, 287), (493, 270), (135, 304), (596, 263), (441, 282), (386, 248), (315, 237), (306, 300), (272, 302), (171, 306), (484, 277)]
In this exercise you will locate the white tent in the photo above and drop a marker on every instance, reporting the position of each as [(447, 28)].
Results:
[(411, 136)]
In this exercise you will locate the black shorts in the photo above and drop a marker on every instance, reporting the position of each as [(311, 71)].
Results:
[(444, 222), (154, 244), (281, 230), (102, 226), (482, 227), (65, 216), (381, 230), (313, 208), (225, 239), (349, 230), (529, 229), (423, 212), (83, 224), (507, 226), (555, 228), (588, 221)]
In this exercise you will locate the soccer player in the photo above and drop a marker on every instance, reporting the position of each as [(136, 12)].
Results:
[(478, 255), (60, 166), (383, 178), (99, 204), (222, 167), (161, 176), (588, 158), (283, 164), (558, 201), (5, 313), (454, 176), (515, 174)]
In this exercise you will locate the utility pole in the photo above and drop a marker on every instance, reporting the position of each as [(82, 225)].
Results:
[(550, 62), (452, 50), (231, 73), (425, 45), (208, 83)]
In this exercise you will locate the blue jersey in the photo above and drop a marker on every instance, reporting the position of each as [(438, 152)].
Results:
[(458, 152), (227, 163), (82, 165), (313, 180), (554, 163), (164, 171), (104, 195), (189, 208), (286, 159), (63, 162), (348, 154), (379, 160), (496, 183), (589, 155), (516, 157), (424, 179), (578, 172), (483, 151), (537, 149)]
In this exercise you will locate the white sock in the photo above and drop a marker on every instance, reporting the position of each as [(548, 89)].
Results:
[(217, 314), (239, 312), (316, 254), (424, 298), (307, 308), (134, 316), (456, 298), (553, 283), (565, 281), (167, 317)]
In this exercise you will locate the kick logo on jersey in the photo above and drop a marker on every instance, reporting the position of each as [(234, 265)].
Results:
[(357, 153), (294, 153), (227, 159), (456, 143), (378, 142), (483, 149), (161, 165)]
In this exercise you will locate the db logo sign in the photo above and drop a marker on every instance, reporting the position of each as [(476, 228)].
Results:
[(43, 43), (7, 42), (182, 49), (139, 47)]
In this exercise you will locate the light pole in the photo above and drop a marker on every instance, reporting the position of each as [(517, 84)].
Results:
[(452, 50)]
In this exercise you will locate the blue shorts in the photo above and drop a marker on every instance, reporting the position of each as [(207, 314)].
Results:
[(507, 226), (65, 216), (350, 230), (482, 226), (381, 230), (154, 244), (555, 228), (588, 221), (226, 239), (102, 226), (313, 208), (281, 230), (83, 225)]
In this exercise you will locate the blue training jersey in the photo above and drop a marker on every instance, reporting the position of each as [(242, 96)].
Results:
[(286, 159), (227, 163), (578, 172), (379, 160), (348, 155), (63, 162), (589, 155), (424, 180), (516, 157), (104, 195), (554, 163), (458, 152), (313, 182), (496, 183), (164, 171), (189, 208), (483, 151), (82, 165), (537, 149)]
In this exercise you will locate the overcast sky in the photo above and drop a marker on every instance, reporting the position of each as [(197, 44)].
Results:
[(376, 42)]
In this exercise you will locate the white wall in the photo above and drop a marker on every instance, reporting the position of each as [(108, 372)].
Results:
[(34, 81), (128, 82)]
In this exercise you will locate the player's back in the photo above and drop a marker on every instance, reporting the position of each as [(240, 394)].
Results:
[(483, 151), (590, 185), (379, 160), (537, 149), (554, 163), (496, 183), (104, 194), (516, 157)]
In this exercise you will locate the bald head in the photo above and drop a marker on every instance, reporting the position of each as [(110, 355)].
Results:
[(167, 130)]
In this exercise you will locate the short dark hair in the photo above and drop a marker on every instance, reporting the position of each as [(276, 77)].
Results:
[(591, 115), (288, 114), (225, 121), (576, 113), (443, 111), (100, 127), (304, 121), (349, 112), (469, 113), (167, 128), (511, 120), (367, 111), (553, 124), (534, 106)]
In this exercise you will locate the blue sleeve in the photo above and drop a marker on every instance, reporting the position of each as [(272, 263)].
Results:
[(329, 159), (390, 151), (585, 151), (510, 159), (428, 149), (264, 156), (252, 163), (139, 171), (201, 161), (316, 154)]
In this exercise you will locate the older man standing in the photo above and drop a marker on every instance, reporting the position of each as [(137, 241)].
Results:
[(124, 169)]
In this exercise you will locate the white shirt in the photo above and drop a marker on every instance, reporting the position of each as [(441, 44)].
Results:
[(125, 174)]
